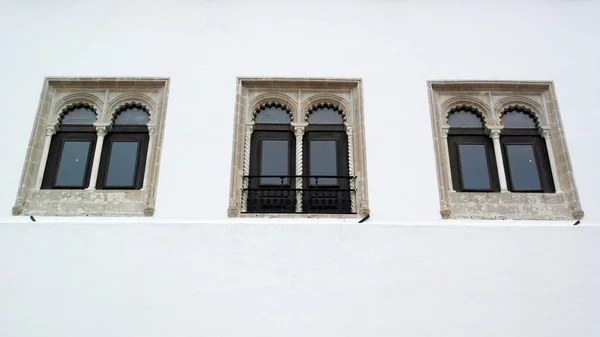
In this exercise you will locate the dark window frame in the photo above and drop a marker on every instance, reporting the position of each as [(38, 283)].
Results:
[(277, 198), (457, 136), (124, 133), (68, 133), (341, 204), (528, 137)]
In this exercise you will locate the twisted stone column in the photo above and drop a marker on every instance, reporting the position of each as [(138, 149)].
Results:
[(447, 158), (546, 134), (299, 132), (150, 156), (494, 133), (101, 133), (50, 131), (350, 135), (246, 166)]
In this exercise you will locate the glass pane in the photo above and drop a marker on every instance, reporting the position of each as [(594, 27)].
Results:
[(464, 119), (325, 116), (323, 161), (474, 167), (121, 165), (80, 116), (518, 120), (274, 161), (133, 116), (523, 168), (72, 164), (273, 116)]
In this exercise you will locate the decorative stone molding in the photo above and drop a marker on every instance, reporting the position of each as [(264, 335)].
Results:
[(60, 95), (472, 104), (326, 103), (273, 100), (303, 96), (503, 96)]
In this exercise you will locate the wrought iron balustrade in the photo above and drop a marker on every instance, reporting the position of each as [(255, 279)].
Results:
[(325, 194)]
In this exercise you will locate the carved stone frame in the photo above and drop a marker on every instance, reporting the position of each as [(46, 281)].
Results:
[(491, 98), (105, 95), (298, 96)]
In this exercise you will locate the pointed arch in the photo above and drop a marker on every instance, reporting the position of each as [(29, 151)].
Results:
[(127, 100), (521, 103), (326, 101), (74, 101), (272, 100), (466, 102)]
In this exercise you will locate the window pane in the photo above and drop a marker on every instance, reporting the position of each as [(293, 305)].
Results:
[(323, 161), (464, 119), (81, 116), (72, 164), (474, 167), (518, 120), (325, 116), (523, 168), (133, 116), (121, 164), (274, 161), (272, 116)]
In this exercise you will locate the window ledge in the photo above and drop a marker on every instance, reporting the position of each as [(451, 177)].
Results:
[(299, 216), (508, 206)]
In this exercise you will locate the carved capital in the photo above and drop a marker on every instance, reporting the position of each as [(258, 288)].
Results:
[(299, 131), (151, 129), (349, 129), (51, 130), (544, 132), (445, 131), (494, 131), (101, 131), (249, 129)]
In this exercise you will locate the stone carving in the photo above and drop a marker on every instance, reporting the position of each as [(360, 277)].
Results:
[(272, 103), (299, 132), (246, 166), (326, 104)]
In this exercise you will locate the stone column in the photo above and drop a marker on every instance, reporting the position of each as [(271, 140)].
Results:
[(50, 131), (546, 134), (299, 129), (350, 135), (149, 156), (494, 133), (246, 166), (100, 132), (447, 158)]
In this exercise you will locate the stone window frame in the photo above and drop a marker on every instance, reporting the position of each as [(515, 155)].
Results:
[(298, 96), (491, 99), (106, 96)]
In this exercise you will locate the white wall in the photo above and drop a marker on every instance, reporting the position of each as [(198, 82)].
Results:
[(211, 277)]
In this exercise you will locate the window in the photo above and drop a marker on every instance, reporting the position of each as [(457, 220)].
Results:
[(526, 160), (125, 149), (471, 152), (100, 149), (298, 149), (71, 149), (495, 151)]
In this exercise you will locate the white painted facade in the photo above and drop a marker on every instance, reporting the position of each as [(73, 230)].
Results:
[(191, 271)]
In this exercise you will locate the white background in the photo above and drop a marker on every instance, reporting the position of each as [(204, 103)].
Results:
[(190, 271)]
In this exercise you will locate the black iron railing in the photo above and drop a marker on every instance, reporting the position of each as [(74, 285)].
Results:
[(326, 194)]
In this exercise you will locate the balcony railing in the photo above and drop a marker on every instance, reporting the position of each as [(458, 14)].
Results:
[(326, 194)]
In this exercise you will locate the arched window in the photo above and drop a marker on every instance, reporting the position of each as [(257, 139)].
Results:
[(71, 149), (326, 184), (125, 148), (524, 151), (472, 160), (270, 184)]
